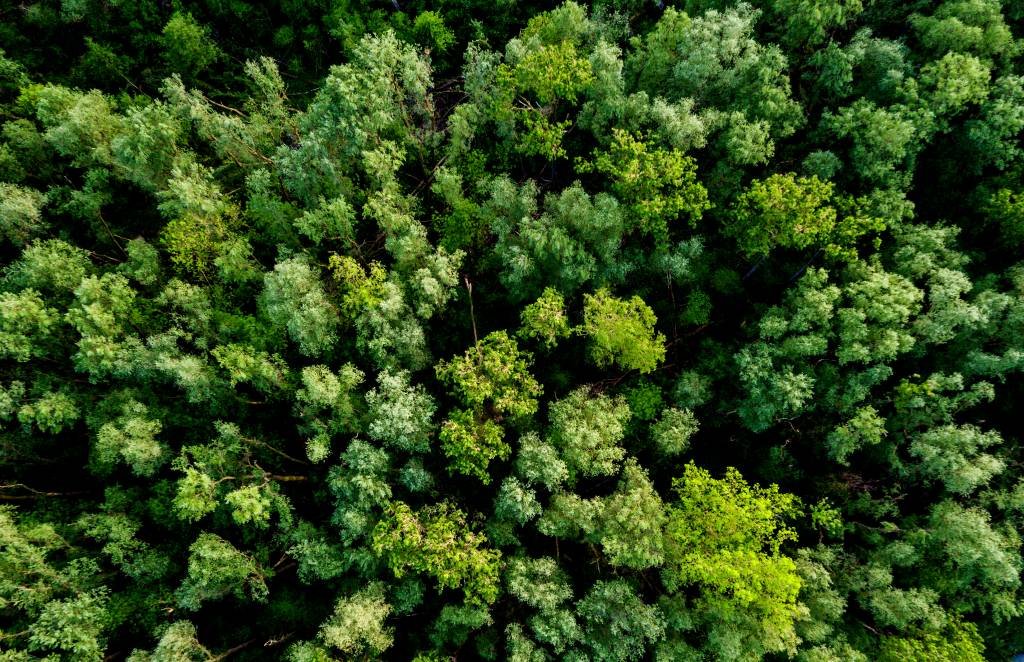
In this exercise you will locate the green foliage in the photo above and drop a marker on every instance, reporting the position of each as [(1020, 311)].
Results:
[(431, 31), (73, 627), (724, 536), (21, 214), (357, 625), (325, 400), (619, 626), (961, 642), (658, 185), (621, 331), (716, 60), (294, 299), (953, 455), (360, 488), (50, 265), (200, 218), (494, 373), (865, 428), (551, 72), (673, 430), (545, 320), (574, 241), (586, 432), (51, 412), (471, 443), (437, 541), (629, 522), (130, 438), (243, 245), (400, 413), (516, 502), (179, 642), (245, 365), (1007, 209), (810, 22), (333, 220), (538, 582), (783, 211), (25, 325), (956, 25), (217, 569), (881, 139), (539, 462), (187, 46)]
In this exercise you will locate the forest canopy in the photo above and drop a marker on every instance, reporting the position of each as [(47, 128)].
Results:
[(630, 330)]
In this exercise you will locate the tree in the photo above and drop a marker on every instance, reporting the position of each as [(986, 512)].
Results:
[(294, 299), (49, 265), (73, 626), (961, 642), (629, 522), (782, 211), (658, 185), (725, 537), (224, 470), (971, 551), (400, 413), (538, 462), (716, 61), (387, 329), (62, 608), (494, 373), (357, 625), (217, 569), (471, 443), (516, 502), (130, 438), (21, 215), (436, 540), (673, 430), (622, 332), (326, 405), (545, 320), (953, 454), (361, 490), (810, 23), (576, 240), (881, 139), (586, 431), (241, 417), (179, 642), (617, 624), (201, 218), (538, 582), (965, 26), (188, 48), (26, 324)]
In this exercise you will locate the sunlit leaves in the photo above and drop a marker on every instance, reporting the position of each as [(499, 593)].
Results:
[(21, 215), (545, 320), (437, 541), (724, 536), (493, 373), (131, 438), (357, 624), (659, 186), (586, 431), (783, 211), (216, 569), (294, 298), (471, 443), (621, 331)]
